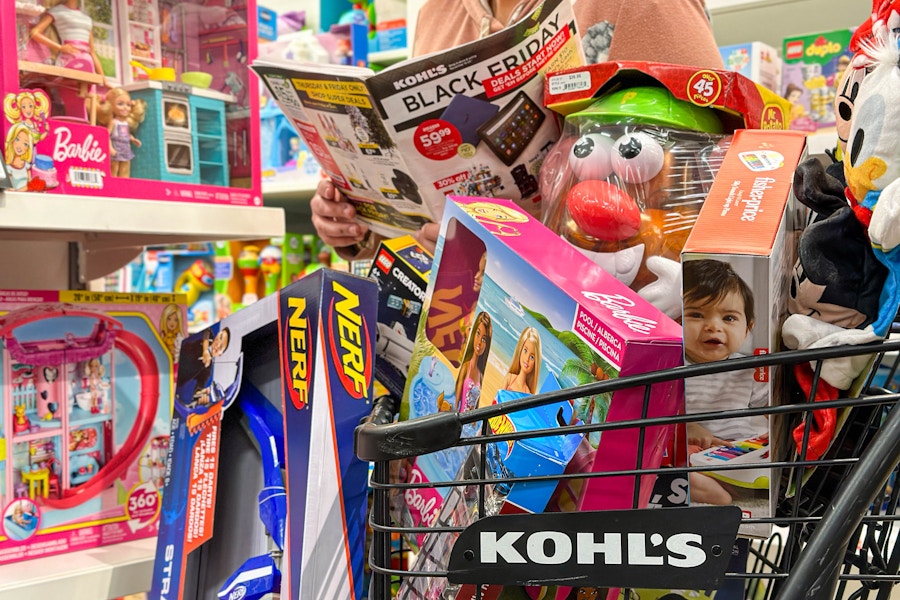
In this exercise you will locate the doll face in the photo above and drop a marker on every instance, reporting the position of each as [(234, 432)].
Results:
[(27, 106), (20, 143), (121, 105), (714, 329), (479, 343), (527, 357), (172, 322), (479, 274)]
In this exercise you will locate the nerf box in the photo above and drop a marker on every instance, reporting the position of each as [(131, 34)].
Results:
[(736, 287), (264, 492), (756, 61), (87, 384), (401, 268), (132, 99), (813, 66), (743, 102)]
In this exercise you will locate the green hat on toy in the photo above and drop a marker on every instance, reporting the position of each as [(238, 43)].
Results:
[(650, 106)]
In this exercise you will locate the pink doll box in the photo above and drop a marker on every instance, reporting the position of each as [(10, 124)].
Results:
[(87, 382), (747, 229), (495, 263), (189, 127)]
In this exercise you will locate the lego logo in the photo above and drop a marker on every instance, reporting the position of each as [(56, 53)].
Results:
[(794, 50), (384, 262)]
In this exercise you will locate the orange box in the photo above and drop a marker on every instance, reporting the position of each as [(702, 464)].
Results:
[(737, 266)]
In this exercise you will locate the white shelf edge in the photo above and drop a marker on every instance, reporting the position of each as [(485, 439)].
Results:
[(388, 57), (301, 188), (132, 222), (104, 572)]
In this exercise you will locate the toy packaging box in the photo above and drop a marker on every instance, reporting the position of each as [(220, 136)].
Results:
[(512, 310), (87, 383), (113, 91), (401, 268), (263, 490), (737, 271), (756, 61), (743, 102), (813, 66)]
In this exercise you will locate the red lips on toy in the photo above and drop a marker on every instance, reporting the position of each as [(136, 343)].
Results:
[(603, 211)]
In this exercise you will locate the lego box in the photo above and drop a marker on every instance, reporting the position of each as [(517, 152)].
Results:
[(263, 490), (87, 382), (401, 268), (98, 95), (813, 65), (736, 288)]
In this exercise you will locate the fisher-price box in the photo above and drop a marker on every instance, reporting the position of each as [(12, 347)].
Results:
[(737, 270), (401, 268), (140, 99), (813, 66), (87, 384), (263, 491)]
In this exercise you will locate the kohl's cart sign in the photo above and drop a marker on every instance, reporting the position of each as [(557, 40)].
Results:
[(667, 548)]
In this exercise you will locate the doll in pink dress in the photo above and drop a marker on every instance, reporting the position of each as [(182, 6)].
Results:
[(121, 118), (471, 369)]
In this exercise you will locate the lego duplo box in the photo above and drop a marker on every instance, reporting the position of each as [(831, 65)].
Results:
[(511, 310), (756, 61), (813, 66), (401, 268), (189, 130), (741, 102), (737, 270), (87, 380), (305, 352)]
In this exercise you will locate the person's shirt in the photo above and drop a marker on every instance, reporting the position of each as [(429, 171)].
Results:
[(72, 25), (676, 31)]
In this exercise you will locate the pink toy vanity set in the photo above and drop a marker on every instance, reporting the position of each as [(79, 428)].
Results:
[(105, 93), (86, 381)]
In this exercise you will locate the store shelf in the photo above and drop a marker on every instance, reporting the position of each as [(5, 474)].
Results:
[(111, 231), (293, 198), (106, 572)]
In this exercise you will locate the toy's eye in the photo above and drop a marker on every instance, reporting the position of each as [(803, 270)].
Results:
[(637, 157), (589, 157)]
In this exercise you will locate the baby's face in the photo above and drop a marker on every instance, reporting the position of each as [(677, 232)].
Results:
[(714, 330)]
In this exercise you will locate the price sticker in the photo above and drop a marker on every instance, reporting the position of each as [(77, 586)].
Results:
[(437, 139)]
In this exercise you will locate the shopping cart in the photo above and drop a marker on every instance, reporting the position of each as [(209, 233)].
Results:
[(834, 533)]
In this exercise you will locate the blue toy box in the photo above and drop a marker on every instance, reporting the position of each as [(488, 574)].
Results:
[(756, 61), (265, 412)]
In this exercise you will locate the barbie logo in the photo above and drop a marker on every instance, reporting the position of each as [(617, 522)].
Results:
[(88, 150), (426, 507), (618, 305)]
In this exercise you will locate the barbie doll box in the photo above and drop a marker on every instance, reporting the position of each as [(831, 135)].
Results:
[(736, 288), (512, 310), (401, 268), (263, 490), (87, 382), (131, 99)]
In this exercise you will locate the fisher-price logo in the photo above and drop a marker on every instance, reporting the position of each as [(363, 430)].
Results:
[(350, 341)]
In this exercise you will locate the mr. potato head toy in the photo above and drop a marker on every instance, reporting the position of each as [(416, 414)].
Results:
[(626, 181)]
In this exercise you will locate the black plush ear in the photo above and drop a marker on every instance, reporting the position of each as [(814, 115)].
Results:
[(820, 190)]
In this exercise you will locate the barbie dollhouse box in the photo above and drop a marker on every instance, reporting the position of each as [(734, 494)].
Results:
[(512, 310), (142, 99), (263, 490), (87, 383)]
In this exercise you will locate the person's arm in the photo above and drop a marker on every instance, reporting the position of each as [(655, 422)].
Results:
[(38, 35)]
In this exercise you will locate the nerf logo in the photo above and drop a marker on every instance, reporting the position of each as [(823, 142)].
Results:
[(384, 261), (298, 344), (237, 593), (351, 345)]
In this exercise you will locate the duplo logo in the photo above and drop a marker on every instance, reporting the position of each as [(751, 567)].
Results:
[(654, 548)]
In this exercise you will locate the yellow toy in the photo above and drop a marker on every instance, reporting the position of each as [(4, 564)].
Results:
[(195, 280)]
